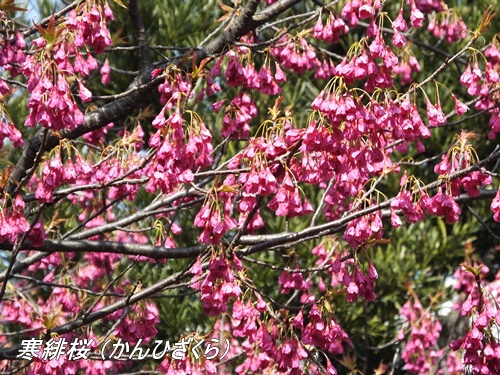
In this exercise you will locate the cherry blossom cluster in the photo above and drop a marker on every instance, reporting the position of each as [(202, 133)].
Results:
[(325, 70), (244, 316), (176, 158), (173, 91), (51, 103), (50, 70), (120, 159), (183, 144), (423, 331), (274, 348), (354, 10), (246, 322), (480, 345), (411, 200), (60, 169), (465, 283), (12, 55), (479, 83), (346, 272), (214, 219), (318, 162), (365, 65), (448, 26), (260, 180), (322, 330), (361, 229), (49, 263), (495, 207), (12, 220), (19, 311), (97, 137), (416, 17), (270, 346), (288, 201), (414, 203), (266, 179), (374, 64), (358, 283), (492, 53), (237, 116), (330, 32), (379, 119), (139, 324), (88, 25), (407, 65), (292, 281), (472, 78), (9, 131), (281, 344), (427, 6), (326, 152), (459, 156), (295, 53), (241, 71), (288, 355), (12, 51), (219, 285)]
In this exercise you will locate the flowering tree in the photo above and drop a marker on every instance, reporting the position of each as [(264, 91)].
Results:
[(307, 187)]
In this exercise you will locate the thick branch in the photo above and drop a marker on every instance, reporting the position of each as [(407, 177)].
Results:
[(145, 64), (150, 251)]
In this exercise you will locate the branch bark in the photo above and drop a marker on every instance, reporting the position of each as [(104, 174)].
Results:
[(134, 249), (145, 64)]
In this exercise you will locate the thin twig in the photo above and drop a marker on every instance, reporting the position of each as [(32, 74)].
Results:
[(483, 223)]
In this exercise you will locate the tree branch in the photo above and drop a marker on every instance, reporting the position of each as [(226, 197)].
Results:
[(145, 64), (134, 249), (23, 264), (46, 20)]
